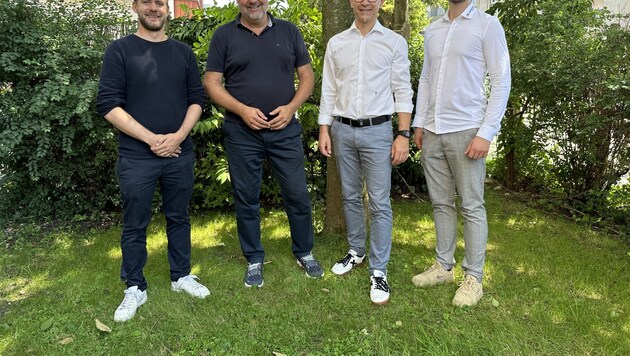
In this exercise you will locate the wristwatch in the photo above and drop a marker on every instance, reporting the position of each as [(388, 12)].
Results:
[(404, 133)]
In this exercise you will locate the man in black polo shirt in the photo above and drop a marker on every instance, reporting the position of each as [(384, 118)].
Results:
[(258, 55)]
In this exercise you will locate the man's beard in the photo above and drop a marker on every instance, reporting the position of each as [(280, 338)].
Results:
[(151, 26)]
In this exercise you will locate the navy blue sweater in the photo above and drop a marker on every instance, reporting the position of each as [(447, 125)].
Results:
[(155, 82)]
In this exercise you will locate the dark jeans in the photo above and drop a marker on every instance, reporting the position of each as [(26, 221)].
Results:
[(138, 179), (247, 149)]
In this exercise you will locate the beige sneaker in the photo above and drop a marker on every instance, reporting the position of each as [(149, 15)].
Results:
[(433, 275), (468, 293)]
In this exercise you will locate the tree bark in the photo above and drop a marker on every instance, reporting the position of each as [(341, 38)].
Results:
[(401, 18), (337, 16)]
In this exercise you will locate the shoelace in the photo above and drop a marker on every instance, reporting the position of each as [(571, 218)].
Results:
[(129, 300), (344, 261), (466, 285), (380, 283), (309, 262), (252, 267), (191, 281)]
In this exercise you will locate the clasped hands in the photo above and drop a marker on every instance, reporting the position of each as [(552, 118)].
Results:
[(256, 120), (167, 145)]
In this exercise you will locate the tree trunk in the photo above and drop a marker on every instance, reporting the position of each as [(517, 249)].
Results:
[(401, 18), (337, 16)]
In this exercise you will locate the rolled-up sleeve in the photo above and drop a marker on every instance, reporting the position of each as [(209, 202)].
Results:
[(401, 79), (329, 89), (111, 86), (196, 94)]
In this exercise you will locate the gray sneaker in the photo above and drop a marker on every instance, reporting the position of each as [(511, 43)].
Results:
[(311, 266), (253, 275)]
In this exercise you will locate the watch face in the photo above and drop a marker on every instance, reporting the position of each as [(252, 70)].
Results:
[(405, 133)]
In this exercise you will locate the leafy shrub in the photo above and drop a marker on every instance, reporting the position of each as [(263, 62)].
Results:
[(57, 155), (567, 128)]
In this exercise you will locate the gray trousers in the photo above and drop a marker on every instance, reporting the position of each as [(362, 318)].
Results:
[(448, 171), (364, 153)]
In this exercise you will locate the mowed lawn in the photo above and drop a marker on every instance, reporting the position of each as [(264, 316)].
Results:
[(552, 288)]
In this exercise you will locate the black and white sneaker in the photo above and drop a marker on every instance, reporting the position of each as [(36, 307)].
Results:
[(310, 265), (254, 275), (347, 263), (379, 289)]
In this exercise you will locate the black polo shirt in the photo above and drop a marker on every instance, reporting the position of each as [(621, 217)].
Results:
[(258, 70)]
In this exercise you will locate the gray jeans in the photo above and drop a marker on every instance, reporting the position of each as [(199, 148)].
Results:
[(364, 153), (448, 171)]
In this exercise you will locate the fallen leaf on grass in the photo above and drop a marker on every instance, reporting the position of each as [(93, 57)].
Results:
[(278, 354), (399, 323), (495, 303), (102, 327), (65, 341), (325, 290), (47, 324)]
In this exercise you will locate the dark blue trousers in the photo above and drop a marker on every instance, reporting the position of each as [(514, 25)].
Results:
[(138, 179), (247, 149)]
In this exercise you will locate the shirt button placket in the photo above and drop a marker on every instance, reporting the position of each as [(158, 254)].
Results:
[(359, 104), (440, 83)]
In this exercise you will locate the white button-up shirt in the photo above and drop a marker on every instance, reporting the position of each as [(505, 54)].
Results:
[(458, 55), (365, 76)]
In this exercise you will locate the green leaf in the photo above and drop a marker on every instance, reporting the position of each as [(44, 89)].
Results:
[(46, 324), (495, 303)]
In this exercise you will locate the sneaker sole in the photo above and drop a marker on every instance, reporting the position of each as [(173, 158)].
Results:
[(254, 285), (183, 291), (380, 303), (446, 281)]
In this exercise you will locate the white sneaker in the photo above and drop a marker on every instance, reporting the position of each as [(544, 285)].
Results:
[(347, 263), (436, 274), (468, 293), (189, 285), (133, 299), (379, 289)]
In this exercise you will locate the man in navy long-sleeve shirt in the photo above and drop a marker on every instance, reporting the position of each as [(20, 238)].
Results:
[(150, 90)]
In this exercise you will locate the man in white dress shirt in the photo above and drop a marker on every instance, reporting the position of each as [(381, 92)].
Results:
[(454, 125), (365, 80)]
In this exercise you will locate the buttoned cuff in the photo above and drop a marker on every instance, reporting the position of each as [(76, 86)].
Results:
[(418, 122), (486, 133), (324, 120)]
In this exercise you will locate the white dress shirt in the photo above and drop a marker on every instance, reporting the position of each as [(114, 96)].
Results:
[(365, 76), (458, 55)]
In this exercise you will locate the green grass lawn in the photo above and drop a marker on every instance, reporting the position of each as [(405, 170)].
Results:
[(551, 288)]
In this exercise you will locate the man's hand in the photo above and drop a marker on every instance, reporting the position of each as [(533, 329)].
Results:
[(325, 145), (254, 118), (400, 150), (285, 114), (167, 145), (417, 137), (477, 148)]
